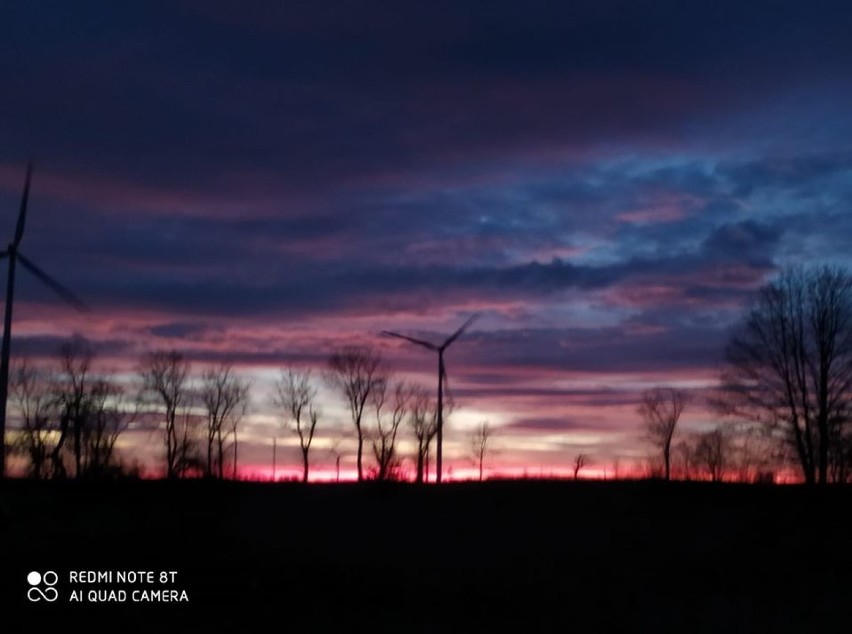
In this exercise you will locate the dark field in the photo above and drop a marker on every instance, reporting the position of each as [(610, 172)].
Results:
[(501, 556)]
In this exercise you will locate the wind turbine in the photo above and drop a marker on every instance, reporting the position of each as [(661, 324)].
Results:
[(442, 379), (13, 253)]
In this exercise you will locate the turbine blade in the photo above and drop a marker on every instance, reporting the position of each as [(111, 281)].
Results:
[(4, 254), (419, 342), (458, 333), (449, 401), (60, 290), (22, 213)]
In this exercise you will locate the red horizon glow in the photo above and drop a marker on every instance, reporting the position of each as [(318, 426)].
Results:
[(318, 475)]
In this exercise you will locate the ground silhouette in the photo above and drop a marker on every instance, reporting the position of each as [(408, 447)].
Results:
[(525, 556)]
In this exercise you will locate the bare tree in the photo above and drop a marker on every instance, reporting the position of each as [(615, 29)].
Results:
[(751, 453), (710, 453), (423, 420), (685, 451), (235, 473), (31, 396), (391, 404), (356, 372), (71, 393), (660, 410), (334, 450), (616, 468), (106, 419), (86, 410), (295, 395), (165, 376), (579, 463), (841, 458), (480, 443), (190, 445), (789, 365), (88, 413), (225, 397)]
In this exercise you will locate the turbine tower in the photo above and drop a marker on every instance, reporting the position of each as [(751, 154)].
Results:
[(442, 379), (13, 253)]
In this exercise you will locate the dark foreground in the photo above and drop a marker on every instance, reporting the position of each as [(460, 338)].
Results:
[(500, 556)]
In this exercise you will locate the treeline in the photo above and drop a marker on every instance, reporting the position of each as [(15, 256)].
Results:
[(70, 416), (784, 398), (785, 389), (72, 413), (731, 451), (381, 410)]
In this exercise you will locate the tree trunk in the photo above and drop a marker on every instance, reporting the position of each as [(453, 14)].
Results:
[(823, 433), (171, 447), (209, 470), (78, 450), (305, 465), (420, 459), (235, 453), (360, 453), (824, 442), (220, 466), (58, 467)]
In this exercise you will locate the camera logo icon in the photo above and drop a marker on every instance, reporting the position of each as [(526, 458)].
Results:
[(41, 586)]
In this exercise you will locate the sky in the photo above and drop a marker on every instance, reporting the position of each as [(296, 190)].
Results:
[(605, 183)]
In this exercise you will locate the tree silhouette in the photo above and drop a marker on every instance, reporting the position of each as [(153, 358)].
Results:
[(31, 397), (391, 403), (165, 376), (480, 443), (106, 419), (225, 397), (711, 453), (423, 420), (660, 410), (840, 458), (70, 414), (295, 395), (685, 451), (72, 389), (789, 366), (356, 371), (616, 468), (579, 462), (334, 448)]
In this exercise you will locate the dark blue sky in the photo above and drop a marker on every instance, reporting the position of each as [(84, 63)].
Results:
[(606, 181)]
